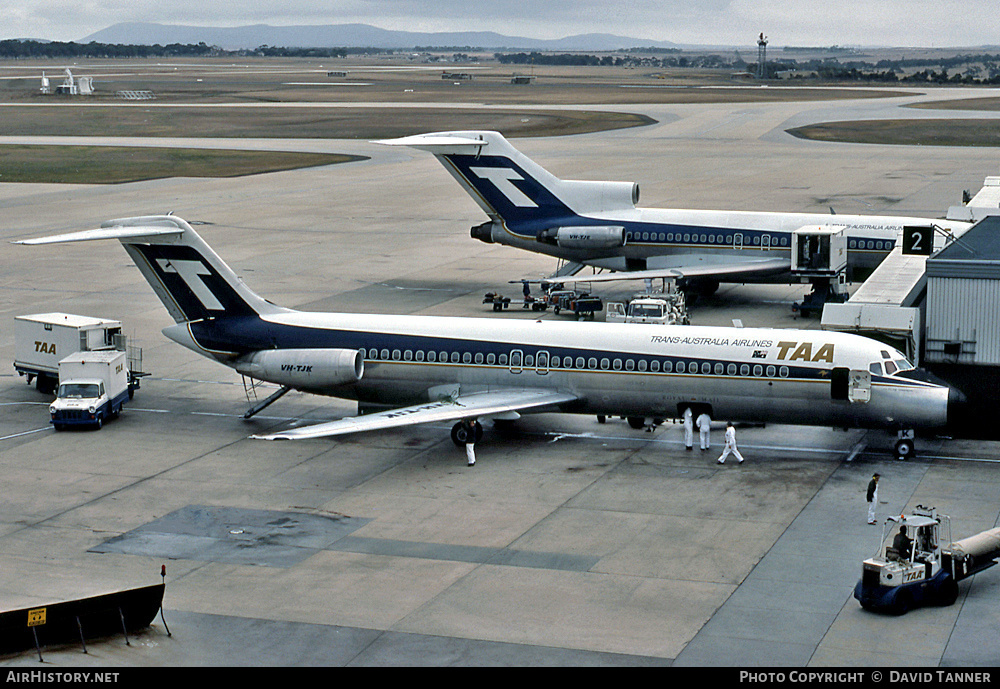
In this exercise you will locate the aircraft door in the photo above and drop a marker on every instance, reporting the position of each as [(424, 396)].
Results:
[(852, 386), (516, 361), (542, 363), (738, 240), (765, 241)]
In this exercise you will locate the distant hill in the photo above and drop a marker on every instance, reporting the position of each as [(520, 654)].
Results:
[(349, 35)]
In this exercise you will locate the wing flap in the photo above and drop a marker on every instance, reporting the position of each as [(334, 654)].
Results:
[(730, 271), (465, 406)]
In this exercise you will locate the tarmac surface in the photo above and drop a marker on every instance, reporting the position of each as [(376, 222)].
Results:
[(571, 542)]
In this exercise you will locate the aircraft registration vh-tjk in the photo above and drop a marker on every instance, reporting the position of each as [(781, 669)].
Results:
[(597, 224), (420, 369)]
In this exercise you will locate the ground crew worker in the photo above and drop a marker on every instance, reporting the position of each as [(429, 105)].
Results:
[(688, 429), (704, 430), (470, 441), (872, 497), (730, 445), (902, 543)]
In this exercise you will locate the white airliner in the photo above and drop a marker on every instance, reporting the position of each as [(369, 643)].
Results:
[(421, 369), (598, 224)]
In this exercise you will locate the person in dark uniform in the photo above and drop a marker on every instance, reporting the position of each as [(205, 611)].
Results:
[(902, 543), (872, 497)]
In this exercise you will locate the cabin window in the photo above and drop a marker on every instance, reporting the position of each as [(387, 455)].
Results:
[(385, 355), (432, 355), (703, 238), (579, 362), (617, 364), (758, 370), (719, 369), (516, 357), (491, 358), (670, 236), (681, 367), (654, 366), (706, 368), (502, 359), (592, 363), (529, 360), (687, 237), (479, 357), (555, 362), (770, 371), (396, 355), (605, 364), (642, 364), (455, 357), (630, 364), (408, 355), (443, 357), (645, 236), (731, 369), (420, 355), (783, 371), (744, 369)]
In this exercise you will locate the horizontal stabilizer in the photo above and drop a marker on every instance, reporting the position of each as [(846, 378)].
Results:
[(104, 233), (469, 406), (439, 143)]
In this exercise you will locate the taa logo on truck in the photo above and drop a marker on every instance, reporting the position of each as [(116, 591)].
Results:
[(45, 347)]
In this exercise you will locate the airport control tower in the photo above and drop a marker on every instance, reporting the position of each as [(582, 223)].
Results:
[(762, 57)]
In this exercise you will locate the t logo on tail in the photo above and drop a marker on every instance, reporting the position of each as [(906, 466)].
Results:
[(502, 178), (190, 272)]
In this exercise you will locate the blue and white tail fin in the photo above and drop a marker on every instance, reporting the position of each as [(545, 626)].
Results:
[(513, 189), (190, 279)]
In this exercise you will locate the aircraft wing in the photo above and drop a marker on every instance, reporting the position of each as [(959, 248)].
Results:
[(468, 406), (696, 269)]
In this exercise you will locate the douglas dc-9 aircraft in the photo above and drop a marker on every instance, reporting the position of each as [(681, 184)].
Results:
[(421, 369), (598, 224)]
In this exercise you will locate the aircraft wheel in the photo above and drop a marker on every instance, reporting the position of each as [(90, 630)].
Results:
[(601, 418), (636, 422), (904, 449), (459, 434)]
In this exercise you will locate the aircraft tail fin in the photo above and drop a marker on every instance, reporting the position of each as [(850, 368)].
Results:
[(187, 275), (512, 188)]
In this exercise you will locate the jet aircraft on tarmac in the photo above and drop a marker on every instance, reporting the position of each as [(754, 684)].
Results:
[(590, 223), (420, 369)]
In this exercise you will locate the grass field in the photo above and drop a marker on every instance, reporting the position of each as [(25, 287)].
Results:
[(358, 98), (906, 132), (114, 165)]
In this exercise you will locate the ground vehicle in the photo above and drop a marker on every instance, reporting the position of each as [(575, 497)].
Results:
[(582, 304), (667, 309), (41, 340), (93, 387), (923, 573)]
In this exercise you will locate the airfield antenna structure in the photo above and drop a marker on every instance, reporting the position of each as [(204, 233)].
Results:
[(762, 57)]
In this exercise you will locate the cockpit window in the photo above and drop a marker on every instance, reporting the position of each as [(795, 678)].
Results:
[(875, 368), (890, 368)]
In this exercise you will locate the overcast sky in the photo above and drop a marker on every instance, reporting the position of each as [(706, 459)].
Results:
[(930, 23)]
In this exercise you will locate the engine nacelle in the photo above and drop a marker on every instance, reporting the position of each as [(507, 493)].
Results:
[(585, 237), (304, 369), (595, 197)]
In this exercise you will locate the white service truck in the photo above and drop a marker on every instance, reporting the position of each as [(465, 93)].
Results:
[(665, 309), (93, 387), (42, 340)]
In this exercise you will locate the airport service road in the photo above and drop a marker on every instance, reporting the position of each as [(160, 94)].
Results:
[(570, 542)]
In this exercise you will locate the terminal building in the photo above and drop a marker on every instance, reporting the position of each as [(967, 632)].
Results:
[(942, 310)]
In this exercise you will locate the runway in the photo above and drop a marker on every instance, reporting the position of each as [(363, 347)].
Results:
[(570, 543)]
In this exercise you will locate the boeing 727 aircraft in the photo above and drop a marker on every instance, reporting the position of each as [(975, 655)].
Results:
[(433, 369), (598, 224)]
